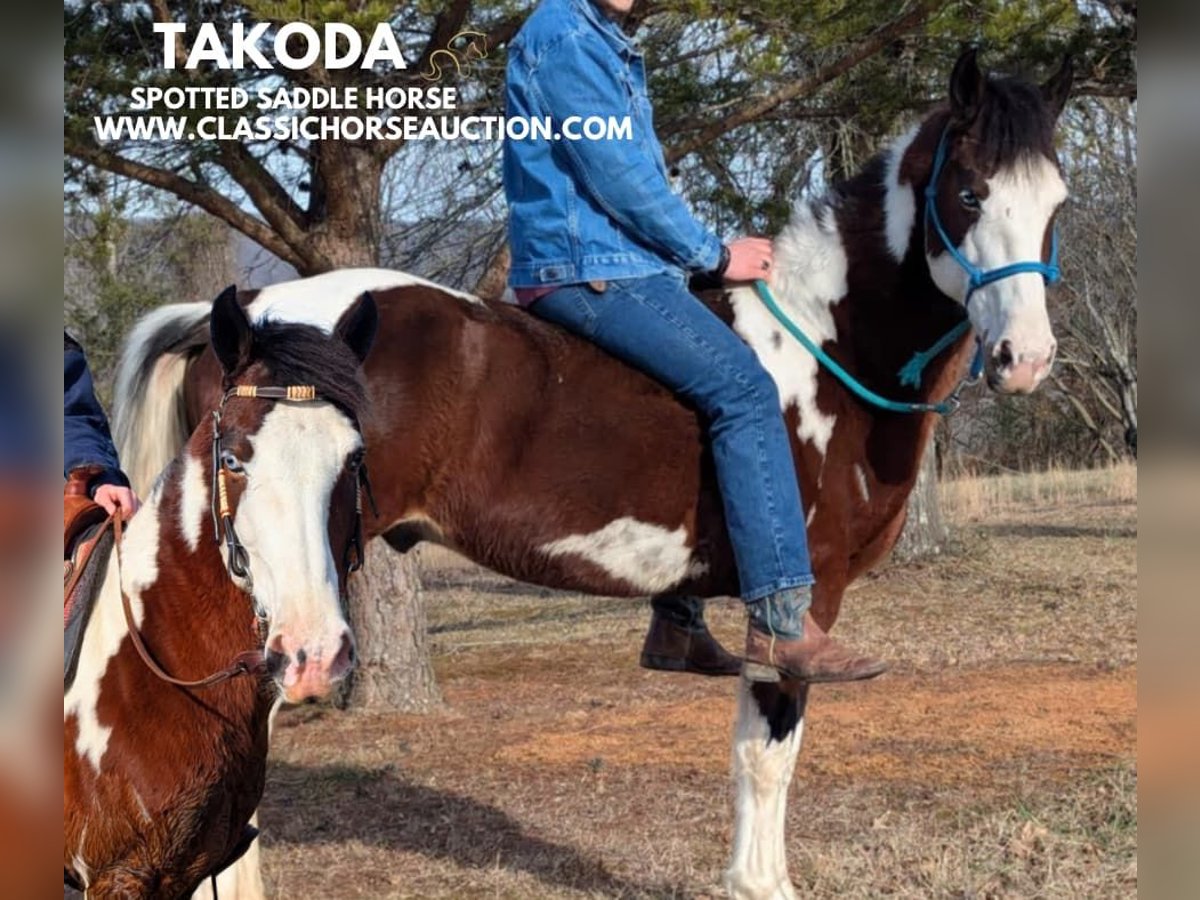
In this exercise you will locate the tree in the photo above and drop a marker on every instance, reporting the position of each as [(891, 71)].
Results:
[(925, 530)]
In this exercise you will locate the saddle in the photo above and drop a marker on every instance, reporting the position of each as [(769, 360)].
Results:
[(87, 545)]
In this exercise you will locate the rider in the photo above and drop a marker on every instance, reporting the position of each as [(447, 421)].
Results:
[(603, 247), (87, 442)]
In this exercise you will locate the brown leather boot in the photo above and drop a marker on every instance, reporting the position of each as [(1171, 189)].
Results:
[(673, 648), (816, 657)]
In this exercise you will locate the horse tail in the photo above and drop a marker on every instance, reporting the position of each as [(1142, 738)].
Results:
[(149, 422)]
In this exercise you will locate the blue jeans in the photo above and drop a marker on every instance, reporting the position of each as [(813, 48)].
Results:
[(655, 324)]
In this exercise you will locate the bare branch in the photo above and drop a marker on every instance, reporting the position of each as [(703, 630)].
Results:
[(264, 191), (206, 198), (753, 111)]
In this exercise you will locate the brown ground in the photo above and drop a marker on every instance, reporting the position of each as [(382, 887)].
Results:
[(997, 759)]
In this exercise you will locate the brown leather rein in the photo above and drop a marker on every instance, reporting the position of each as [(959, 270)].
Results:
[(248, 662)]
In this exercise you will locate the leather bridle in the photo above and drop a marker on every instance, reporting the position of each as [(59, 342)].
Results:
[(237, 560)]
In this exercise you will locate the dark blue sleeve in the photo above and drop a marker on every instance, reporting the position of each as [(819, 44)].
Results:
[(86, 437)]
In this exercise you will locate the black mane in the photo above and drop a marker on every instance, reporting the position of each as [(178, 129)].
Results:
[(1013, 124), (297, 354)]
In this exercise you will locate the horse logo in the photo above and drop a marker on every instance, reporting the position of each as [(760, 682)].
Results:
[(461, 49)]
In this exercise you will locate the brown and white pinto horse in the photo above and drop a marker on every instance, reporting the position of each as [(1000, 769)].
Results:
[(159, 781), (541, 457)]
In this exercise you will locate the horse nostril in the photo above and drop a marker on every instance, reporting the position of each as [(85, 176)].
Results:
[(276, 662), (1004, 355), (277, 656), (301, 657)]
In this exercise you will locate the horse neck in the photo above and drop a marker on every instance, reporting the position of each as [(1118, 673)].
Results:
[(195, 620), (880, 304)]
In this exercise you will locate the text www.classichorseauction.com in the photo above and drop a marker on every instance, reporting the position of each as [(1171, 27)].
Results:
[(325, 113)]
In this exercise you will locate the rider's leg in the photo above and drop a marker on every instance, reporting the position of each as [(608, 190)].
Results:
[(678, 640), (657, 325)]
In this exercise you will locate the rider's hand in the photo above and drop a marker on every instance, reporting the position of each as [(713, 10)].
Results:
[(749, 258), (110, 496)]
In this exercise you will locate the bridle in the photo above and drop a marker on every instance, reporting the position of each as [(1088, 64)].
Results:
[(250, 662), (237, 559), (910, 373)]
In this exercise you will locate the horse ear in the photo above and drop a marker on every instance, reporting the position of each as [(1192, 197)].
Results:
[(1057, 88), (358, 325), (230, 331), (966, 88)]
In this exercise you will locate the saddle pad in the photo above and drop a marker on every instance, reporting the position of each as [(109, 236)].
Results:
[(77, 607)]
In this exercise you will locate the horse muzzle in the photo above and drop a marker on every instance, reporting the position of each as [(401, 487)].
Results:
[(1010, 370), (308, 670)]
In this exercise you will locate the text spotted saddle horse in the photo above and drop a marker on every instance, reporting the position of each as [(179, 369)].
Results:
[(88, 540)]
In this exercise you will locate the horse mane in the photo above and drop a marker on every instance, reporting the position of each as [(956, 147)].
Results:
[(303, 354), (1014, 123), (1014, 126)]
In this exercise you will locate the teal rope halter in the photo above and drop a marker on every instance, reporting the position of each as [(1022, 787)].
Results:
[(910, 374)]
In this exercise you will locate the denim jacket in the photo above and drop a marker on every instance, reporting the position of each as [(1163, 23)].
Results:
[(589, 210)]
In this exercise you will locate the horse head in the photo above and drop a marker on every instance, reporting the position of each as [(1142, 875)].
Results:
[(286, 474), (994, 190)]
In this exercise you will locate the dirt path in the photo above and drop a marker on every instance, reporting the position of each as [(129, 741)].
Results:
[(559, 769)]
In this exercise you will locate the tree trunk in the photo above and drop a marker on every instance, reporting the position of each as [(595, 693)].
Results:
[(387, 616), (925, 530)]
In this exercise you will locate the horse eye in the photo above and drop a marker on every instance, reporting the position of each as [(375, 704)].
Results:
[(968, 198), (356, 460), (230, 462)]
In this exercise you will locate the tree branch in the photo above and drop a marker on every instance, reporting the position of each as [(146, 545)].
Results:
[(264, 191), (199, 195), (752, 111)]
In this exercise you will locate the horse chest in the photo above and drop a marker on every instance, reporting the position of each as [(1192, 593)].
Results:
[(166, 803)]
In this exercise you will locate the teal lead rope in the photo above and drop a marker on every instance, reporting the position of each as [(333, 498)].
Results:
[(910, 374)]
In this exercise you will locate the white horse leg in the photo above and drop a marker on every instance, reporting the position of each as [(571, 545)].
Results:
[(243, 880), (766, 740)]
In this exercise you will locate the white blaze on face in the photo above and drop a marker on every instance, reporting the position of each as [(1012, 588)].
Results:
[(1012, 223), (282, 519), (809, 277)]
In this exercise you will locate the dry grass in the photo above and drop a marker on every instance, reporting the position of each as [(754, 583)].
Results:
[(997, 760), (972, 497)]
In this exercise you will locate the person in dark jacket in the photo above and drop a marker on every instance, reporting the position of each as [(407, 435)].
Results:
[(87, 440)]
